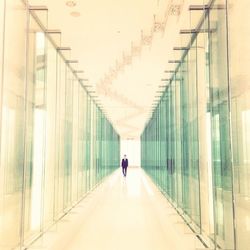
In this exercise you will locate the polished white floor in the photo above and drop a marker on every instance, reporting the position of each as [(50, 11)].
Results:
[(121, 214)]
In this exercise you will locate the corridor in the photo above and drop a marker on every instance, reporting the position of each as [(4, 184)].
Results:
[(121, 214), (84, 83)]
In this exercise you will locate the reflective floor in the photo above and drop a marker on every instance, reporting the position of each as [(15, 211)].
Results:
[(121, 214)]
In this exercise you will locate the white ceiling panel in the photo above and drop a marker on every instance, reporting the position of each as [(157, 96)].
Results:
[(123, 47)]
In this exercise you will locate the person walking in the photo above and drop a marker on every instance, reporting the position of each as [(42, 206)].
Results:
[(124, 165)]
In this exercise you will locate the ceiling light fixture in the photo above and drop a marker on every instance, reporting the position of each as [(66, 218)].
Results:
[(78, 71), (75, 14), (71, 3)]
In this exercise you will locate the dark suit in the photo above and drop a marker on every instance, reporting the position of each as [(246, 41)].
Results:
[(124, 166)]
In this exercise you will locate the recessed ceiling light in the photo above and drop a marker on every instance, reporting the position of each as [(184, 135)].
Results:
[(75, 14), (71, 3)]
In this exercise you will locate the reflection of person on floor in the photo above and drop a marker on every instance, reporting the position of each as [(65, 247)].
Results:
[(124, 165)]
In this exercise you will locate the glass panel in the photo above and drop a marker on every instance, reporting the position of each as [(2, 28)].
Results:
[(162, 141), (193, 148), (178, 159), (61, 93), (87, 145), (184, 136), (68, 138), (81, 174), (75, 140), (204, 128), (239, 40), (50, 136), (35, 132), (92, 145), (221, 153), (85, 118), (13, 64)]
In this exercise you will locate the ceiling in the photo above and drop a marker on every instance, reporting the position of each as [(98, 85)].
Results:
[(123, 47)]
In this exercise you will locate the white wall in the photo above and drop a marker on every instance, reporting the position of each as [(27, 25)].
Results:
[(131, 148)]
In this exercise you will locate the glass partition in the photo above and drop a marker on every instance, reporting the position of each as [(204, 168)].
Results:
[(50, 135), (76, 140), (239, 54), (67, 153), (80, 156), (13, 78), (221, 148), (204, 130), (61, 93), (35, 130)]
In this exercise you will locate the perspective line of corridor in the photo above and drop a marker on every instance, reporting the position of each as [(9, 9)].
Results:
[(121, 213)]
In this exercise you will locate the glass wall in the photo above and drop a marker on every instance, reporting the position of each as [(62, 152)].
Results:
[(220, 126), (56, 144), (200, 127)]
